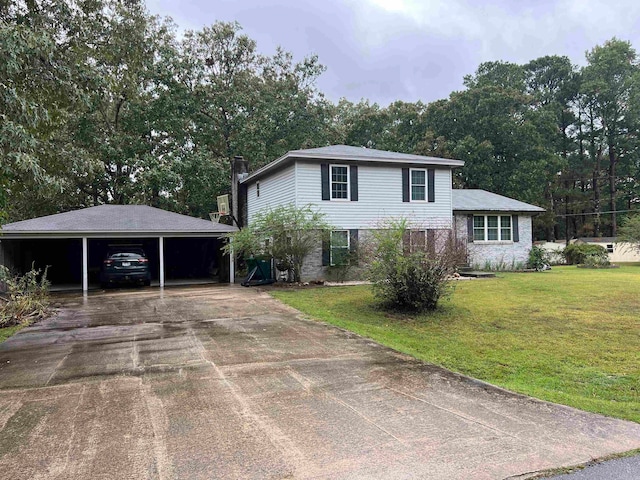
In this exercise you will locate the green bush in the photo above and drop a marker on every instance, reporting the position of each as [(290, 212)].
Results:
[(538, 258), (596, 261), (577, 253), (412, 282), (411, 277)]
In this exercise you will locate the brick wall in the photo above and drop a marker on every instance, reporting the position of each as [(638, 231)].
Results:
[(498, 255)]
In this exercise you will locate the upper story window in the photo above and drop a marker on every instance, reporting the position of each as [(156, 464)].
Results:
[(339, 182), (257, 189), (418, 185), (492, 228)]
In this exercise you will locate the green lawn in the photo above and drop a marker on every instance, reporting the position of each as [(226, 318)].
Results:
[(569, 335), (6, 332)]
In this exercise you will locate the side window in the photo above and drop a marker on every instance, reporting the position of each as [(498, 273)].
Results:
[(339, 182), (257, 189), (505, 227), (478, 228), (493, 228), (339, 247)]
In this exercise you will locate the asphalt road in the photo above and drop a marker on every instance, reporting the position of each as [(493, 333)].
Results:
[(627, 468), (226, 382)]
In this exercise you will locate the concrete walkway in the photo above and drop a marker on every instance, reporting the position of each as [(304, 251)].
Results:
[(225, 382)]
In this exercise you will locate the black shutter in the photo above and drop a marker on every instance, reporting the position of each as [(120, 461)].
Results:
[(353, 246), (353, 172), (431, 185), (326, 193), (326, 251), (405, 185), (514, 225), (470, 228), (431, 242)]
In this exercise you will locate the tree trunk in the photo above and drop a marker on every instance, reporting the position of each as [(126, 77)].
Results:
[(612, 188), (596, 197), (595, 155)]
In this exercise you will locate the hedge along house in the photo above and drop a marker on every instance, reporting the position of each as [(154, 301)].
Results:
[(358, 188), (181, 249)]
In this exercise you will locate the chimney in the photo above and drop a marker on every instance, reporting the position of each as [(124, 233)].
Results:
[(239, 170)]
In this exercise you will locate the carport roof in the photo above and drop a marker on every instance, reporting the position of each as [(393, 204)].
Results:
[(116, 219)]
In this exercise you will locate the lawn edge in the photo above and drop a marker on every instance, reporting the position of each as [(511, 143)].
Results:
[(487, 387), (460, 376)]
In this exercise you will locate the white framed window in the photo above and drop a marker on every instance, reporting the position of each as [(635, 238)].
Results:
[(257, 189), (340, 245), (418, 185), (492, 228), (339, 182)]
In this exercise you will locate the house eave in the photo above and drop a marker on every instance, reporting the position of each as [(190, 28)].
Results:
[(293, 155), (23, 235), (479, 210)]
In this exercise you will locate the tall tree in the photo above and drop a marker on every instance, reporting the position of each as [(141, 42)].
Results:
[(611, 80)]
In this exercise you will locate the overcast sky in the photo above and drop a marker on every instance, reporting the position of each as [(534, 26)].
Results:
[(386, 50)]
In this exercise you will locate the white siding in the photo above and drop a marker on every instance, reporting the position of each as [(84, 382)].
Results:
[(275, 190), (379, 197)]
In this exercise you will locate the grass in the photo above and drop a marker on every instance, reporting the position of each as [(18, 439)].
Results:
[(569, 335), (6, 332)]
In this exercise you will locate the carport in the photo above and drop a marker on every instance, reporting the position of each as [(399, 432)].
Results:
[(181, 249)]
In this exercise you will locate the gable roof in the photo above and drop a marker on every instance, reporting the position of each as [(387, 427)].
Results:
[(483, 201), (354, 154), (111, 219)]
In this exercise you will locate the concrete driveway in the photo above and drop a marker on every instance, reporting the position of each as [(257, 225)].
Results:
[(225, 382)]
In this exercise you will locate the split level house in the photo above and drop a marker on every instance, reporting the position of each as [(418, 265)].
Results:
[(358, 188)]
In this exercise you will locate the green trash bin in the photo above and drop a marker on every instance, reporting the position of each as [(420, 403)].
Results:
[(260, 272)]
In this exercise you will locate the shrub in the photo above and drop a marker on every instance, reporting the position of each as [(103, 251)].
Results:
[(538, 258), (596, 261), (409, 276), (285, 233), (577, 253), (27, 297)]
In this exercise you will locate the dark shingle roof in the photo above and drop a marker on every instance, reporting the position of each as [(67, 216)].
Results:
[(481, 200), (373, 154), (117, 219), (353, 154)]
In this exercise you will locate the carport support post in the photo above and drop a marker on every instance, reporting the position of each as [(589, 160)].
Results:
[(232, 265), (85, 269), (161, 250)]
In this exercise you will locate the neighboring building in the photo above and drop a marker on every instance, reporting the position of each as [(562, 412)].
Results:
[(357, 188), (619, 252)]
